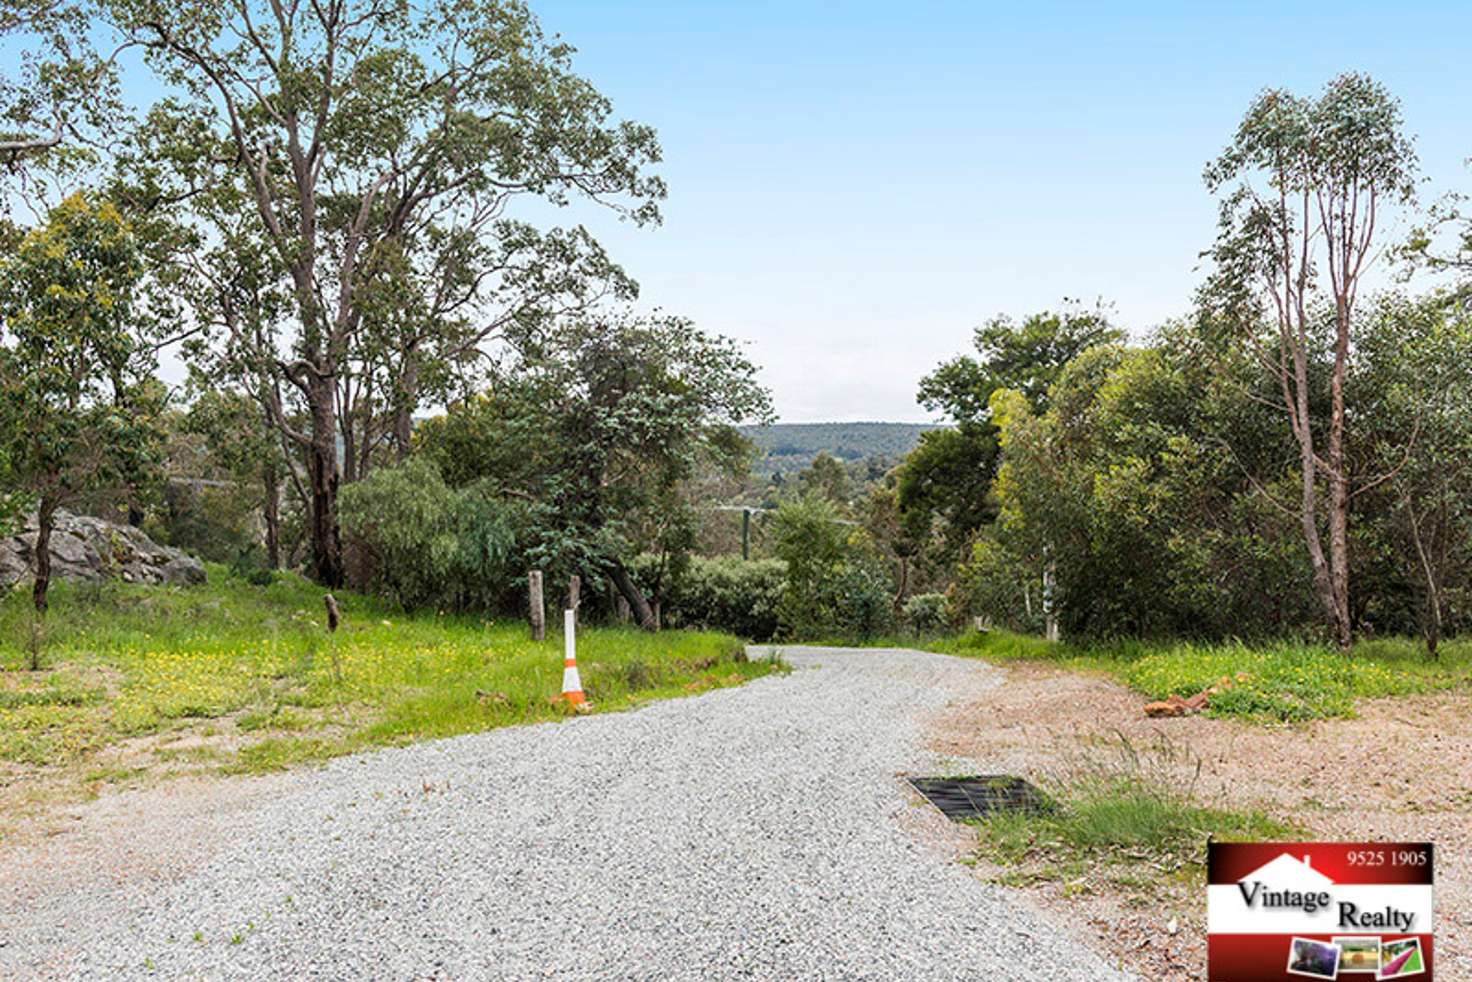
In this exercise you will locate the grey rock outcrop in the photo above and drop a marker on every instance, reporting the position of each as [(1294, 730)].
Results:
[(87, 548)]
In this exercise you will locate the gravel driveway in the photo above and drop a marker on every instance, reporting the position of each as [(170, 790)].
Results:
[(753, 832)]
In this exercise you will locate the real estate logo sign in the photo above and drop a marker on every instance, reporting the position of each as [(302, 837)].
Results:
[(1319, 910)]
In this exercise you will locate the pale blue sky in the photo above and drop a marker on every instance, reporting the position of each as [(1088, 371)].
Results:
[(854, 186)]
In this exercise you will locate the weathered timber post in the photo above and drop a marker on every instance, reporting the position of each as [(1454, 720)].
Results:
[(574, 587), (537, 610), (1050, 616), (334, 616), (746, 533)]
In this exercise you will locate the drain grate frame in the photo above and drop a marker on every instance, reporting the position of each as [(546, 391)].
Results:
[(967, 799)]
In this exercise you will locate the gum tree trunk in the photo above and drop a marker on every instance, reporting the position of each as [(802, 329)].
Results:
[(45, 518), (271, 512), (643, 613), (322, 473)]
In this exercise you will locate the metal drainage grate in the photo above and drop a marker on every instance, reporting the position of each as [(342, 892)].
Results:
[(965, 799)]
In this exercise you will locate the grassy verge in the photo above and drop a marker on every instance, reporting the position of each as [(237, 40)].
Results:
[(1285, 682), (1123, 818), (149, 680), (1121, 832)]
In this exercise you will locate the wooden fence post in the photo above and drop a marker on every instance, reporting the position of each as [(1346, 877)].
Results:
[(537, 609), (574, 587)]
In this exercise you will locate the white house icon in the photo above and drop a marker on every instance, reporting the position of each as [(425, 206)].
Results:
[(1288, 872)]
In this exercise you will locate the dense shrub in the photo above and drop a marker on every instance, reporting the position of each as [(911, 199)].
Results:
[(857, 602), (423, 543), (837, 587), (727, 593), (927, 613)]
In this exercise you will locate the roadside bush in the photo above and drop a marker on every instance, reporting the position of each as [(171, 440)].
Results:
[(927, 613), (837, 586), (423, 543), (726, 593), (731, 594), (857, 602)]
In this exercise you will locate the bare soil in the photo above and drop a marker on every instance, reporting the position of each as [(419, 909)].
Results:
[(1400, 771)]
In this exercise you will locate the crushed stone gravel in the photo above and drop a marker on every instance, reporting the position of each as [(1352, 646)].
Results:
[(760, 832)]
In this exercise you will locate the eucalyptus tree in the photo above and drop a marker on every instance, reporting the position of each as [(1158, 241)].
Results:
[(597, 427), (945, 482), (58, 93), (1304, 188), (376, 153), (72, 355)]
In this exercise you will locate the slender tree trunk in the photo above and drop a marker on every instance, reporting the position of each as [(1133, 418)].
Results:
[(1324, 578), (1339, 492), (625, 583), (45, 518), (322, 473), (408, 386), (904, 587), (1323, 582), (350, 464), (1432, 622), (1050, 614), (271, 514)]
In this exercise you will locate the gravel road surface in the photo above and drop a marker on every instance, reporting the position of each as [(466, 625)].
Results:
[(753, 832)]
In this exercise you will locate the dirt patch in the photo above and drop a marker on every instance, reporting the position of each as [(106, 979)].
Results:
[(39, 802), (1401, 770)]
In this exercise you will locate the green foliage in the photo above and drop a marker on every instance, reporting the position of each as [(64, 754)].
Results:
[(836, 584), (945, 484), (1414, 530), (727, 593), (1001, 587), (1145, 452), (425, 543), (75, 359), (826, 478), (341, 186), (227, 436), (598, 427), (1173, 452), (927, 613), (1024, 357), (1302, 187), (812, 543), (59, 98)]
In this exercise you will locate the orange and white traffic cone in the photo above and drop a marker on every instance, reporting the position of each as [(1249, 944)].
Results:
[(572, 685)]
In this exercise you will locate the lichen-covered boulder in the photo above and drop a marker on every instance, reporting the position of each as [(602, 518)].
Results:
[(87, 548)]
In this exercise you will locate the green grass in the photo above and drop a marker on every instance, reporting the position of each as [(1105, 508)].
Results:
[(255, 664), (1279, 682), (1120, 819)]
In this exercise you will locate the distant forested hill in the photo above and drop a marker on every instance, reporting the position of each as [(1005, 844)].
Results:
[(788, 447)]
